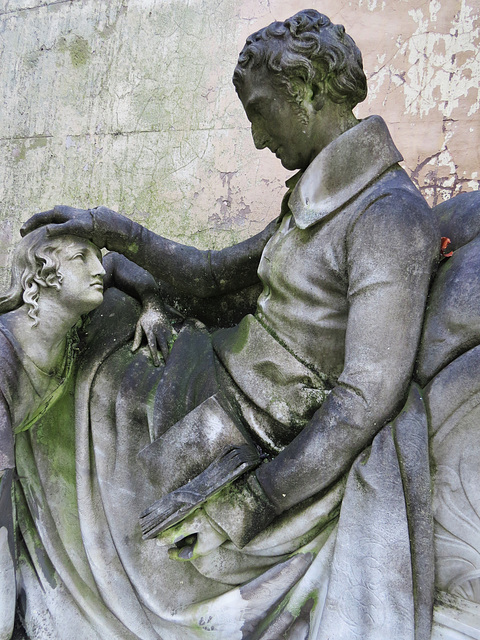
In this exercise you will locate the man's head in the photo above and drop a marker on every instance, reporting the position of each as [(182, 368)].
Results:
[(298, 81), (69, 266), (307, 53)]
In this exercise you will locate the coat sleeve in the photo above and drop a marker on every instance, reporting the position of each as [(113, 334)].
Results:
[(128, 277), (187, 269)]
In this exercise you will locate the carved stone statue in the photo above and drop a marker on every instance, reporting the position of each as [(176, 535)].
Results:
[(55, 281), (278, 458)]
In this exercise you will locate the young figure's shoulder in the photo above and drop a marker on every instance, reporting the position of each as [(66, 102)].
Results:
[(9, 350), (9, 367)]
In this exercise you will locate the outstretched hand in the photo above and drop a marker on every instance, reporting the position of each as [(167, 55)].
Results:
[(62, 220)]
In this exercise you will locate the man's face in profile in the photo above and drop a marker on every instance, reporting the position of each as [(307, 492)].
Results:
[(278, 123)]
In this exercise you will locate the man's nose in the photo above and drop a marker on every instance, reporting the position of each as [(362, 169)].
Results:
[(260, 139)]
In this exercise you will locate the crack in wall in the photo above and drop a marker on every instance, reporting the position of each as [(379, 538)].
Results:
[(116, 134), (34, 137), (37, 6), (434, 186)]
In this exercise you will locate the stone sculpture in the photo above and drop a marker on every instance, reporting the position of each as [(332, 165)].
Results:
[(55, 281), (283, 460)]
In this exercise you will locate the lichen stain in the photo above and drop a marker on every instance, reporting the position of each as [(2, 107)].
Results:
[(20, 152), (79, 51)]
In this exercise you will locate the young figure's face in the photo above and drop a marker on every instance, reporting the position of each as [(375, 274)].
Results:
[(284, 127), (82, 275)]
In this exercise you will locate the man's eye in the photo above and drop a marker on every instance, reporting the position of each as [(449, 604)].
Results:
[(79, 256)]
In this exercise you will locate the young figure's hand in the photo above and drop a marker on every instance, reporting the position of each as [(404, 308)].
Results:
[(195, 536), (156, 326)]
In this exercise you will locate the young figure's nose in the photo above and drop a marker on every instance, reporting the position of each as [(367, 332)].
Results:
[(97, 268), (101, 271)]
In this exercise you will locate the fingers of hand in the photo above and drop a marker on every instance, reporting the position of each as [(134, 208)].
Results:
[(58, 215), (157, 329), (152, 345), (196, 545), (141, 329), (193, 538), (82, 228), (164, 338), (137, 340), (173, 536), (38, 220), (207, 541), (65, 213)]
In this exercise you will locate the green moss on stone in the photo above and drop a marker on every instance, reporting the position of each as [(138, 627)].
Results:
[(79, 51)]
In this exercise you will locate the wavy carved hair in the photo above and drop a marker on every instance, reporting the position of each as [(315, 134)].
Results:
[(35, 265), (307, 50)]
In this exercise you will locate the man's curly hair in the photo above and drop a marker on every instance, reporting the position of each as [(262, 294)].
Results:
[(305, 51)]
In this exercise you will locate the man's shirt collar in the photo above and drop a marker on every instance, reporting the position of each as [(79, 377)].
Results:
[(341, 170)]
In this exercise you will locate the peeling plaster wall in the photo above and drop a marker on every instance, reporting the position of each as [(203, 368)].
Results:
[(129, 103)]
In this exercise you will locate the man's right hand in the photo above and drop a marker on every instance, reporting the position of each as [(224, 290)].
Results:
[(62, 220)]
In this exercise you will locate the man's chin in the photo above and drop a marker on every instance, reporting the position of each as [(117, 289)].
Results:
[(290, 165)]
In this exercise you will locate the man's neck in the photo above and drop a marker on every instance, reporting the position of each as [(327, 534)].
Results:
[(331, 122)]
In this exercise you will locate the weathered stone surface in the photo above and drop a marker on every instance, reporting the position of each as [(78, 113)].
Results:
[(130, 104), (144, 135)]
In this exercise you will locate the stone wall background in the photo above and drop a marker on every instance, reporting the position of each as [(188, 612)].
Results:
[(129, 103)]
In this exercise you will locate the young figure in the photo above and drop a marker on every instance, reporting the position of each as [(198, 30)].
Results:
[(55, 281)]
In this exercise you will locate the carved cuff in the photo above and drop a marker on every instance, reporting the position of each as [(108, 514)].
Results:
[(112, 230), (98, 237), (242, 510)]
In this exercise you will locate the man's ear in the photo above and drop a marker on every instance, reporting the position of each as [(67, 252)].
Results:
[(318, 97)]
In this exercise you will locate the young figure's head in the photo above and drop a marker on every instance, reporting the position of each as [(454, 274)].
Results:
[(65, 269), (290, 71)]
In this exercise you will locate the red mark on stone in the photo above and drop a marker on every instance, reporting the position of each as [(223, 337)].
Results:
[(443, 246)]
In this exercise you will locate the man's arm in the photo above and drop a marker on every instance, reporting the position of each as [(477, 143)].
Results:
[(129, 278), (154, 321), (187, 269)]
